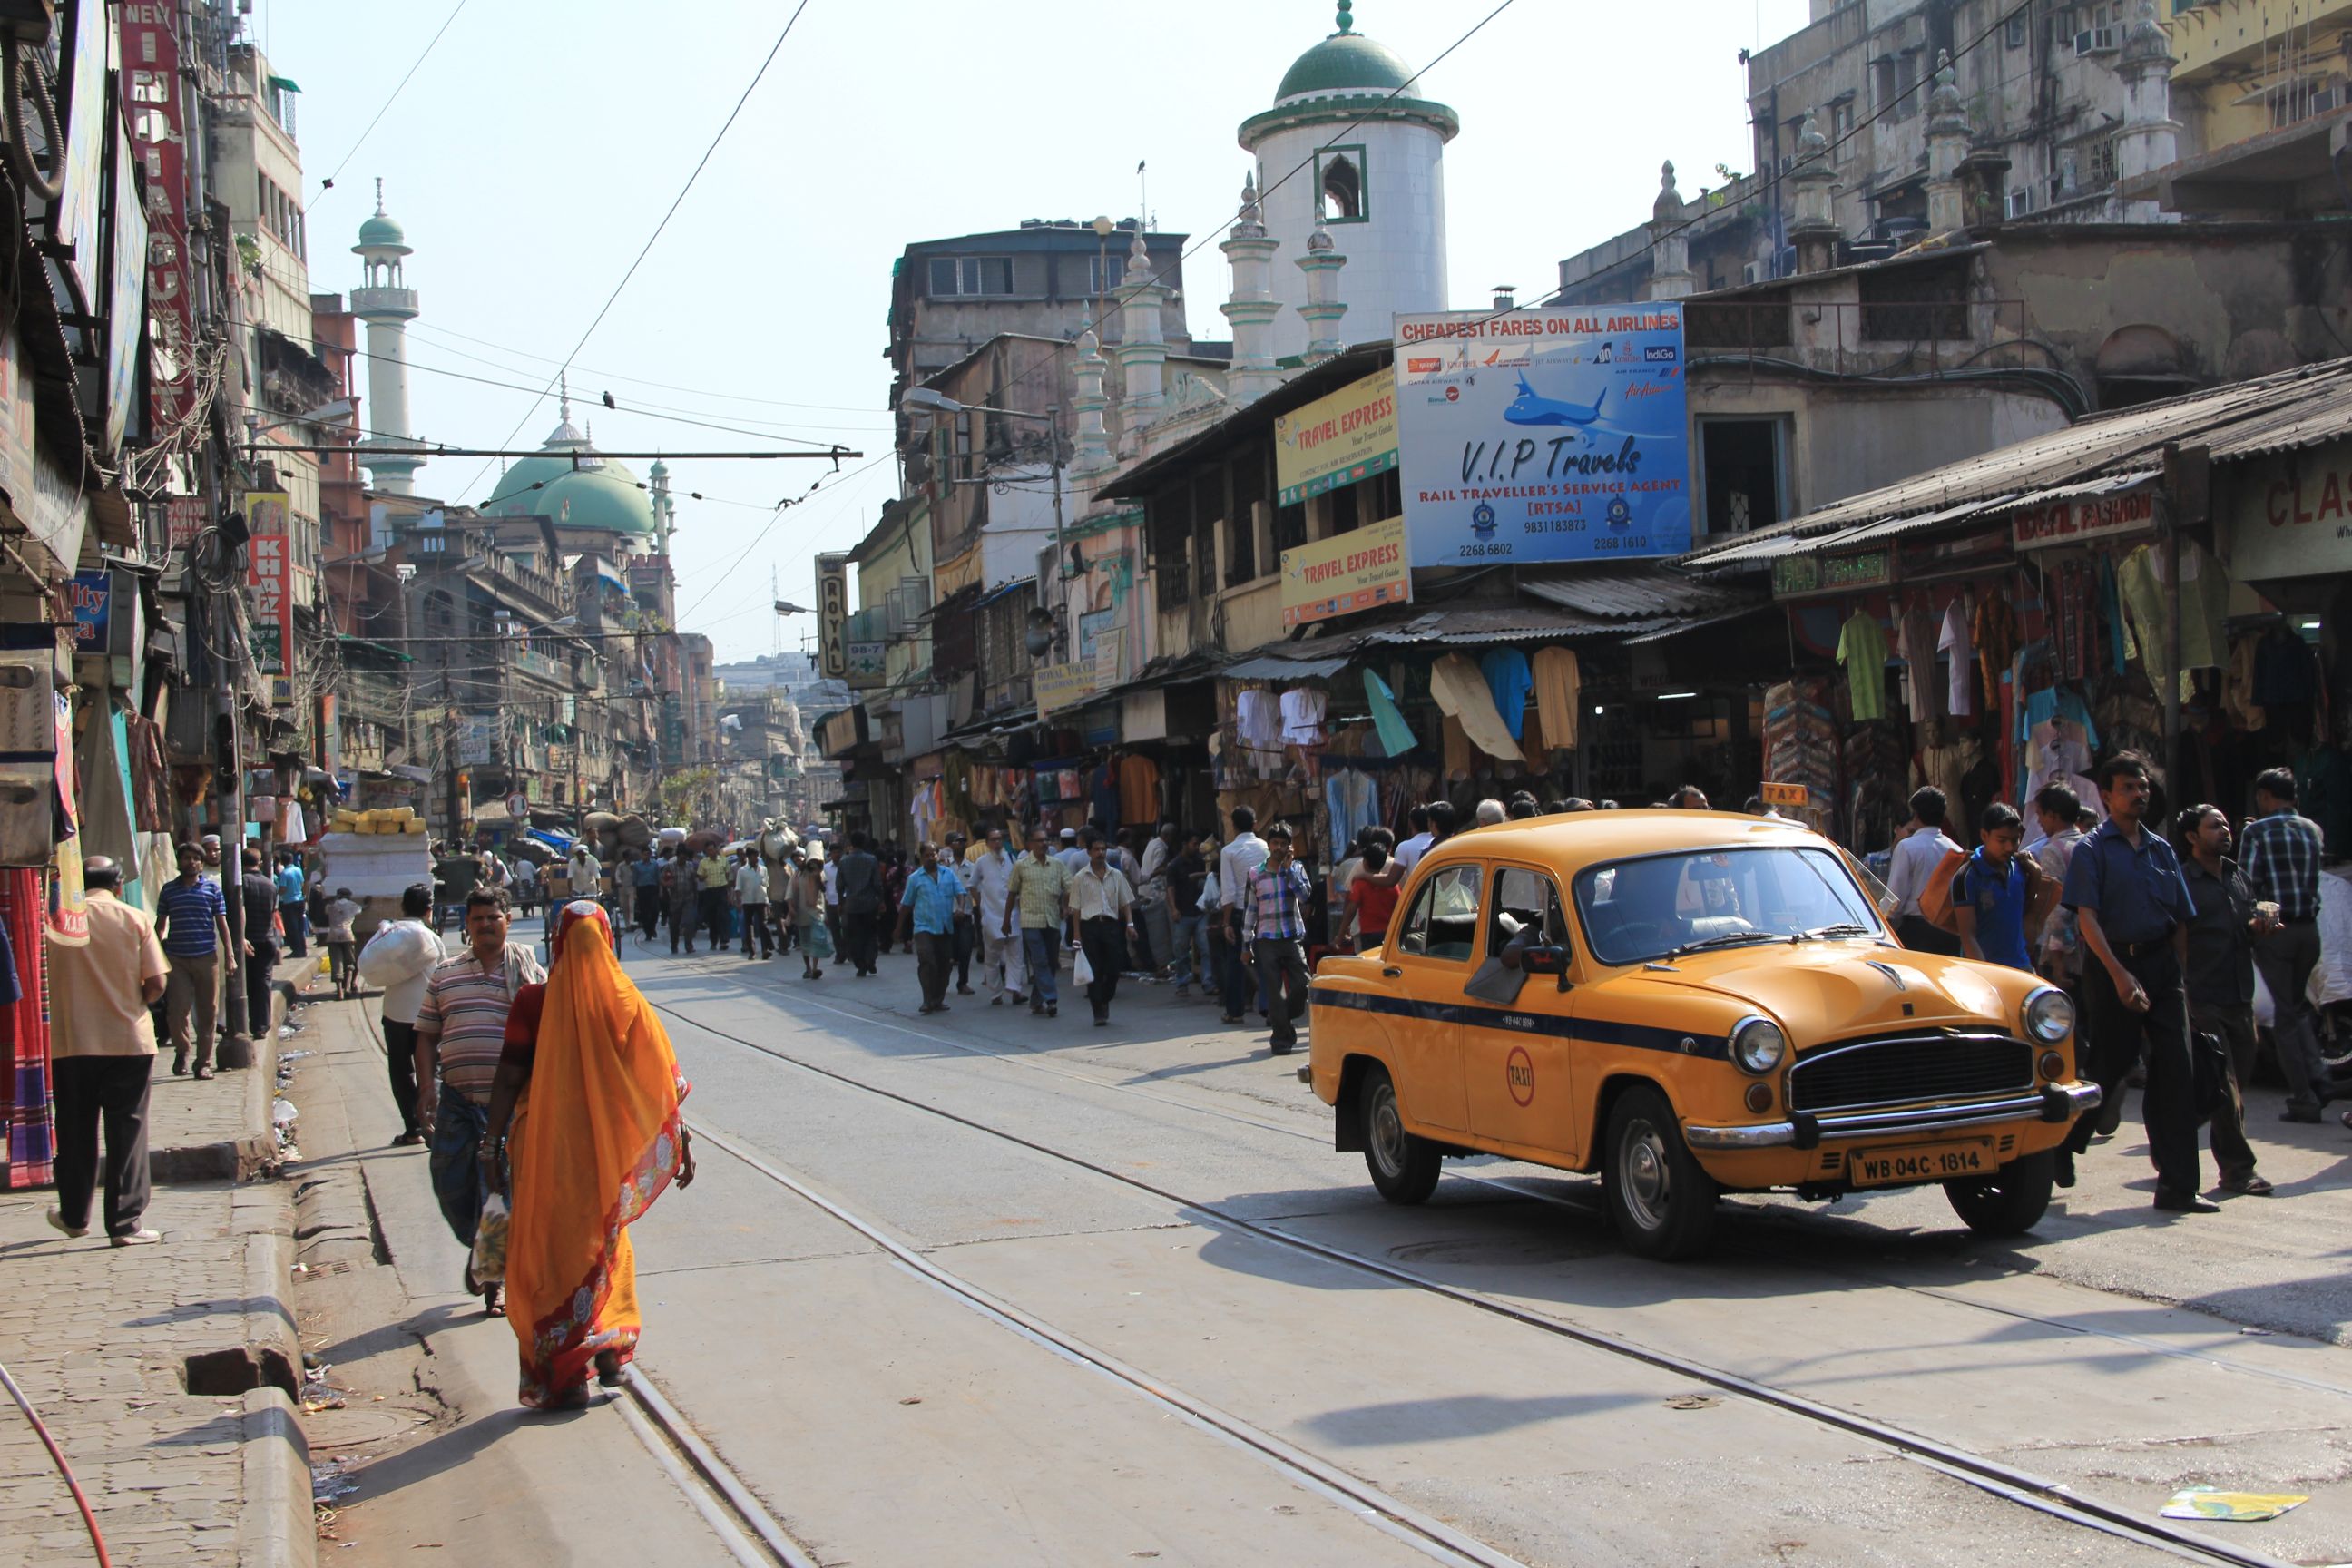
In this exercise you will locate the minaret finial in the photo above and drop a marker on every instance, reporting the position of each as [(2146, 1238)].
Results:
[(379, 195), (564, 406), (1347, 20)]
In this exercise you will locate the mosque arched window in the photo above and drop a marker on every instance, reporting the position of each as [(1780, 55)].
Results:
[(1342, 170)]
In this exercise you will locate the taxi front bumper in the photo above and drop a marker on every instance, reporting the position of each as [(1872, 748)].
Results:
[(2057, 1102)]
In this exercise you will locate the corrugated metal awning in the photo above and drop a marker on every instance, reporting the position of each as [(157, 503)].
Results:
[(1273, 667)]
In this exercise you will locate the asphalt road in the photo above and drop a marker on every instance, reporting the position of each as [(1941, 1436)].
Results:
[(1095, 1342)]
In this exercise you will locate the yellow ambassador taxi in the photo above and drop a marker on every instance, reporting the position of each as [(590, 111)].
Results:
[(1688, 1002)]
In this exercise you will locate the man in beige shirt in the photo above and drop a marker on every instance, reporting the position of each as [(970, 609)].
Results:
[(102, 1057)]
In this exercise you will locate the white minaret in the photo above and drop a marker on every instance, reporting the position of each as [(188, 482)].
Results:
[(1092, 455), (1253, 308), (1369, 150), (2149, 138), (387, 307), (665, 504), (1142, 350), (1320, 266)]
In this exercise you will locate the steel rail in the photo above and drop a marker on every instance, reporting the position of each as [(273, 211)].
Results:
[(1997, 1479), (1021, 1057)]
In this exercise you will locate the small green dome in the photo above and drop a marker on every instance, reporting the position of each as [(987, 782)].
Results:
[(600, 493), (1347, 61), (382, 230)]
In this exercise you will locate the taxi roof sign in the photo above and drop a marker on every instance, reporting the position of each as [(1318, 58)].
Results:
[(1787, 794)]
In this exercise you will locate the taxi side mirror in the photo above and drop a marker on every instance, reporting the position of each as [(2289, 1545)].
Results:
[(1543, 961)]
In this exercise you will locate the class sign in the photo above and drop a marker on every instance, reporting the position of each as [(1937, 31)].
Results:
[(1346, 573), (1336, 440)]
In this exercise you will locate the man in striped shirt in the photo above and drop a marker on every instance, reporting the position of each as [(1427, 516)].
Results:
[(1274, 919), (2280, 854), (461, 1029), (192, 920)]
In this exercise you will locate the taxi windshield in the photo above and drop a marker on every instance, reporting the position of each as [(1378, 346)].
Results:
[(1661, 905)]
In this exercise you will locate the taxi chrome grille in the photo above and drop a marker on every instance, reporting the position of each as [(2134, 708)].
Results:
[(1913, 1067)]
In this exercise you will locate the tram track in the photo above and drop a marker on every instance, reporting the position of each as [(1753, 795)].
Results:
[(1582, 1206), (1996, 1478)]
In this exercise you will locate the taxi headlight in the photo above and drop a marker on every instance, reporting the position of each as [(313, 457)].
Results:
[(2049, 1015), (1757, 1045)]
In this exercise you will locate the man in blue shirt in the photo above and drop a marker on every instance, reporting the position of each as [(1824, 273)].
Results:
[(929, 906), (2134, 907), (290, 904), (192, 920)]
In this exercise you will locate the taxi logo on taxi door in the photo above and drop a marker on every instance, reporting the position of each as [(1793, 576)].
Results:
[(1519, 1075)]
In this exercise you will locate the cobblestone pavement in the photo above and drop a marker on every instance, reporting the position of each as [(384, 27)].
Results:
[(101, 1339)]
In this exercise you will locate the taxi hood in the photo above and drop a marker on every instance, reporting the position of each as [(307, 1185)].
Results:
[(1827, 990)]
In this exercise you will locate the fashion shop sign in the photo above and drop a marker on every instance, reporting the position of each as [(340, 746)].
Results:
[(2291, 515), (2083, 518), (1556, 434)]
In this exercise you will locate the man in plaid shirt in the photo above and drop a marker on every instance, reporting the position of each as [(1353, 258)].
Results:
[(2280, 855), (1274, 919)]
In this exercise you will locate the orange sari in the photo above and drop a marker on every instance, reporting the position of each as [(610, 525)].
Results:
[(594, 1141)]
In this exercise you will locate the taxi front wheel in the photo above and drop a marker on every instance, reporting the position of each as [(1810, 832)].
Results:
[(2012, 1202), (1661, 1203), (1405, 1167)]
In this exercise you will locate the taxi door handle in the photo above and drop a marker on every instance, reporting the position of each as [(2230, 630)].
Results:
[(1391, 974)]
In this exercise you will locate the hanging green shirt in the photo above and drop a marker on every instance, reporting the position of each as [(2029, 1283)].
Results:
[(1396, 735), (1862, 649)]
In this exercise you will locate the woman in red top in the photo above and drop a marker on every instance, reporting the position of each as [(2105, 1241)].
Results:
[(1369, 906)]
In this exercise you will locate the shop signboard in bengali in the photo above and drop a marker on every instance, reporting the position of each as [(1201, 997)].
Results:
[(1866, 569), (1061, 686), (1346, 573), (1337, 440), (2082, 518), (1531, 435), (2291, 515), (833, 616)]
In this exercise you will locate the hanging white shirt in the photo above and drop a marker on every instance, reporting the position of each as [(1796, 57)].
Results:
[(1302, 716)]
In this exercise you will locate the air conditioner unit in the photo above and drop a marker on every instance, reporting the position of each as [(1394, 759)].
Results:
[(1752, 273), (2095, 41)]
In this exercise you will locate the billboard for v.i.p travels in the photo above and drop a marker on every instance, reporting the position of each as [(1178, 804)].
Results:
[(1557, 435)]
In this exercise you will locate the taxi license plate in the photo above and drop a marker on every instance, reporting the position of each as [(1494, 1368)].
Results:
[(1921, 1163)]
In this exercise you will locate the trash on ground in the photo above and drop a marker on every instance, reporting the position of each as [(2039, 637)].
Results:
[(1693, 1401), (282, 1112), (2236, 1507)]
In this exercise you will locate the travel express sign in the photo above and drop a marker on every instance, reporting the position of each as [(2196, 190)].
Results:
[(1543, 435)]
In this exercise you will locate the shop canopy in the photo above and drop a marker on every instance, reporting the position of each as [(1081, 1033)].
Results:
[(2296, 408)]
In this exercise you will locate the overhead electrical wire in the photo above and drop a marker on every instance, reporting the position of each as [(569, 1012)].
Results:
[(435, 330), (328, 184), (702, 163)]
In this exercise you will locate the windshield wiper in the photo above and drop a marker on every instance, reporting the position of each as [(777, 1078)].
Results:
[(1724, 939), (1822, 933)]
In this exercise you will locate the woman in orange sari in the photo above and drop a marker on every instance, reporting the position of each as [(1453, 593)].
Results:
[(584, 1121)]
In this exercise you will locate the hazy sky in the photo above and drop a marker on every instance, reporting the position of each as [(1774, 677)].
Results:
[(540, 142)]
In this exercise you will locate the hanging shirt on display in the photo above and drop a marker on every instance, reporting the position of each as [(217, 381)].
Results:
[(1460, 693), (1557, 683), (1506, 669), (1921, 693), (1953, 642), (1257, 719), (1302, 716), (1862, 649)]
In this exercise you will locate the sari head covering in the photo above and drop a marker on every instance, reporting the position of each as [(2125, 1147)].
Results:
[(597, 1138)]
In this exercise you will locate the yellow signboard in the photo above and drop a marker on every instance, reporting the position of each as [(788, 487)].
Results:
[(1060, 686), (1786, 794), (1336, 440), (1346, 573)]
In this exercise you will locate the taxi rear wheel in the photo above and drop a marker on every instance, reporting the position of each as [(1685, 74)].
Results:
[(1404, 1166), (2011, 1203), (1661, 1201)]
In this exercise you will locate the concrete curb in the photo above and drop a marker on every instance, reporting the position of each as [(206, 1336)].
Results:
[(276, 1528), (243, 1157)]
